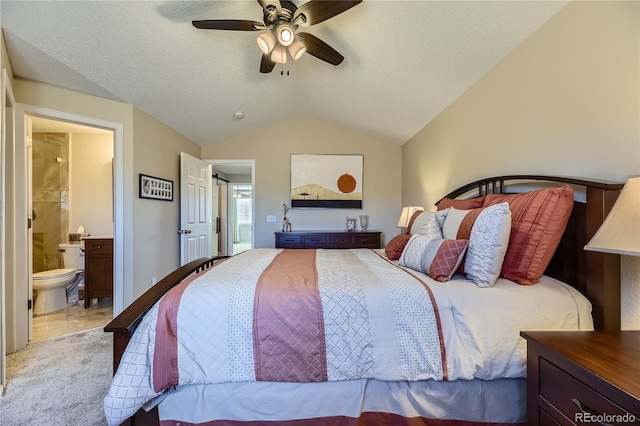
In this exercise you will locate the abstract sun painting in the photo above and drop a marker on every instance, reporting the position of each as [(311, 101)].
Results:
[(326, 181)]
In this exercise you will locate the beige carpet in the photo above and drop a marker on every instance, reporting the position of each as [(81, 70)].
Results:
[(60, 381)]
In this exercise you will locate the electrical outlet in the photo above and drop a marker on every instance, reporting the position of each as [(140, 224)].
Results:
[(154, 280), (271, 218)]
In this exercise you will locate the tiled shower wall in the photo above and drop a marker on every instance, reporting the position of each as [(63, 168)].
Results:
[(50, 177)]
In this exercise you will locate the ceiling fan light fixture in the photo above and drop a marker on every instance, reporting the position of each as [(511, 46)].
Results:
[(285, 35), (297, 49), (279, 55), (266, 42)]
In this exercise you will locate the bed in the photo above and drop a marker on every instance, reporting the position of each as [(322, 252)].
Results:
[(425, 331)]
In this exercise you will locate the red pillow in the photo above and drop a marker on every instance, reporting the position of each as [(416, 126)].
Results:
[(394, 248), (468, 204), (538, 220)]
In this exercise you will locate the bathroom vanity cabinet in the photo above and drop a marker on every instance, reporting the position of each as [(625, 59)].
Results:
[(98, 268)]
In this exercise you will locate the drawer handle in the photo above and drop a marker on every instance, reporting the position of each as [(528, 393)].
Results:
[(289, 240), (586, 410), (315, 240)]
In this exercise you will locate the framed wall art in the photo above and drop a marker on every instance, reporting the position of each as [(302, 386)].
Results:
[(326, 181), (155, 188)]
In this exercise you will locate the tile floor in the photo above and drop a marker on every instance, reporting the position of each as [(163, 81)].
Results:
[(72, 319)]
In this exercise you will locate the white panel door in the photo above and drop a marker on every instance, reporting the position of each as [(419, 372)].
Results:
[(195, 208)]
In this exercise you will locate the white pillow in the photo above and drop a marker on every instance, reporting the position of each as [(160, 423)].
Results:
[(488, 241), (427, 224)]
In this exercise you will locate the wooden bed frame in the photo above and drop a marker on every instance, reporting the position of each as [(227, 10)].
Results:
[(596, 275)]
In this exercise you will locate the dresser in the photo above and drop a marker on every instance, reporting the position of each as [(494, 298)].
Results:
[(328, 239), (98, 268), (576, 377)]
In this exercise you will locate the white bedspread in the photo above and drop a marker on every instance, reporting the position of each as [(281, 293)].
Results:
[(479, 327)]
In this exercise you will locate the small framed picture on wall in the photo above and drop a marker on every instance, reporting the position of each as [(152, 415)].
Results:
[(155, 188)]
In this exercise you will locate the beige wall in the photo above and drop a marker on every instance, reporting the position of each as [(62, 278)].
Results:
[(156, 153), (271, 148), (91, 183), (58, 99), (565, 102), (150, 243)]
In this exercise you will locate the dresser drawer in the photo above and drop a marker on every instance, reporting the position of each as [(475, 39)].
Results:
[(315, 240), (98, 246), (366, 240), (289, 240), (344, 240), (572, 397), (546, 419)]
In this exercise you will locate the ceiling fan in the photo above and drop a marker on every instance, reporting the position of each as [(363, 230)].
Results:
[(281, 22)]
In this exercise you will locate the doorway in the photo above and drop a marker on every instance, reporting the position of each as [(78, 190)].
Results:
[(71, 197), (7, 232), (241, 215), (19, 325), (233, 206)]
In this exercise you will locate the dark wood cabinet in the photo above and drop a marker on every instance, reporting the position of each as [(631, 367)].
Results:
[(583, 377), (98, 269), (328, 239)]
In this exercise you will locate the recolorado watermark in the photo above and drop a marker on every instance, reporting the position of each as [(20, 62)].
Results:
[(604, 418)]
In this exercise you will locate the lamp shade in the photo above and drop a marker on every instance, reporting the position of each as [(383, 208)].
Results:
[(620, 231), (266, 42), (297, 49), (406, 215), (279, 55)]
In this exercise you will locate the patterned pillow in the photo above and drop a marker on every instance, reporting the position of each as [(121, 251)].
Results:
[(394, 248), (430, 227), (435, 257), (488, 231)]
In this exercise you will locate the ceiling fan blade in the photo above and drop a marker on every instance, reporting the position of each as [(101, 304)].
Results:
[(320, 49), (316, 11), (228, 24), (266, 64)]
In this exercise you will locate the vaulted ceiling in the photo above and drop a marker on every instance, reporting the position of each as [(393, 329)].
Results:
[(405, 61)]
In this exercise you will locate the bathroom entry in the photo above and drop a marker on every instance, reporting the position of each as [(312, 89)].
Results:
[(72, 193)]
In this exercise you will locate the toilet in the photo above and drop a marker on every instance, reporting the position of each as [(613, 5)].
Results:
[(49, 286)]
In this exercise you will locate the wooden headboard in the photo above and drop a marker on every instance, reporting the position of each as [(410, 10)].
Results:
[(596, 275)]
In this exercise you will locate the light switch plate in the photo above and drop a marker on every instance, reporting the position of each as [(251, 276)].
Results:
[(271, 218)]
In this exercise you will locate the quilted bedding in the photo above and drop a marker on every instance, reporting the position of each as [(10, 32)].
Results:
[(327, 315)]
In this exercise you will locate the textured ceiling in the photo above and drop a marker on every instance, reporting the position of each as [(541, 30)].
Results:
[(405, 61)]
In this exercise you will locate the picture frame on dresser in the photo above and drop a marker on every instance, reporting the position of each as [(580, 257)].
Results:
[(326, 181)]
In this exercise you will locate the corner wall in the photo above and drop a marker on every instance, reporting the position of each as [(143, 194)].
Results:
[(271, 148), (156, 152), (565, 102), (91, 183), (148, 147)]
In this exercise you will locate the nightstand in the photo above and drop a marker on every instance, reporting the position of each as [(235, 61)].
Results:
[(576, 377), (98, 268)]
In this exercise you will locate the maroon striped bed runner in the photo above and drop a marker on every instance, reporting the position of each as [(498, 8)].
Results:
[(288, 325)]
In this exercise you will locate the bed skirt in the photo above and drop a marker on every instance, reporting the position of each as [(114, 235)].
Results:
[(347, 403)]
